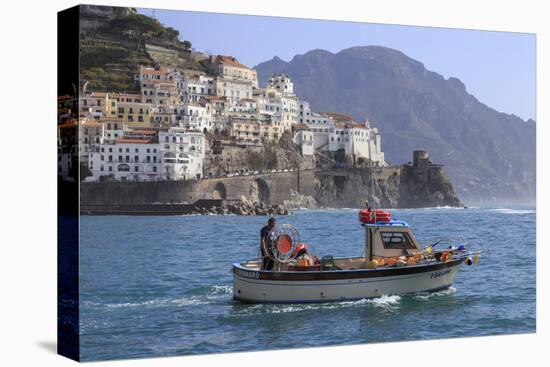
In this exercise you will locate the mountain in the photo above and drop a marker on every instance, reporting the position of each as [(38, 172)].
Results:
[(489, 155)]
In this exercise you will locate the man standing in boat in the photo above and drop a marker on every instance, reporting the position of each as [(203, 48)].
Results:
[(266, 244)]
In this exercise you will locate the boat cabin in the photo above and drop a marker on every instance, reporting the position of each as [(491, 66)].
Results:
[(392, 239)]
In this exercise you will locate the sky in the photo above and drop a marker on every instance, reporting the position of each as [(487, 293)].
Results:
[(496, 67)]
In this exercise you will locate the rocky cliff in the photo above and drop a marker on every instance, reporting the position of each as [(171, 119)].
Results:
[(394, 187)]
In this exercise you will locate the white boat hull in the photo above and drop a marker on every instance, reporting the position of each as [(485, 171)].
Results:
[(248, 286)]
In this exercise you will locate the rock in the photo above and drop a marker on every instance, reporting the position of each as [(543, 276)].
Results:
[(298, 200)]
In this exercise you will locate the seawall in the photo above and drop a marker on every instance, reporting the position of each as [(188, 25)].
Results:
[(394, 187)]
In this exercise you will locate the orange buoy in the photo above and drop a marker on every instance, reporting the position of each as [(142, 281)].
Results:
[(391, 261)]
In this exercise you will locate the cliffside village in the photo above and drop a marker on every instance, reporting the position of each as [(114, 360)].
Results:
[(167, 131)]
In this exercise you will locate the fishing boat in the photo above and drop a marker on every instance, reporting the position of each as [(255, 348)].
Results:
[(393, 263)]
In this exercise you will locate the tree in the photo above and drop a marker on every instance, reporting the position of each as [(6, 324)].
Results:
[(186, 44)]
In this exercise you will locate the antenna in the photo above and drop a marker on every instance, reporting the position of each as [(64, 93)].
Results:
[(371, 169)]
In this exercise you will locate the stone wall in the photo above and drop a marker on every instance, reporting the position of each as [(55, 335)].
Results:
[(267, 188), (394, 187)]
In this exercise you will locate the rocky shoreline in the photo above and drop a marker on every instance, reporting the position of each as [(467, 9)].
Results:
[(242, 209), (245, 207)]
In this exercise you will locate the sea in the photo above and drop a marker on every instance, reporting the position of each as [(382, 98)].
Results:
[(161, 285)]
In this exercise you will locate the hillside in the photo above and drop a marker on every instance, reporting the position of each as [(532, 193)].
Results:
[(490, 156), (114, 41)]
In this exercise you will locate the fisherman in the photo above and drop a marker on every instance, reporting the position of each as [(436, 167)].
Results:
[(267, 240)]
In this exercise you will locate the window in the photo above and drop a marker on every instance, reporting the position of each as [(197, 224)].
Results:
[(136, 158), (136, 168), (397, 240)]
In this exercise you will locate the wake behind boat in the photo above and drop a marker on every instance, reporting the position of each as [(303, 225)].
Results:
[(394, 263)]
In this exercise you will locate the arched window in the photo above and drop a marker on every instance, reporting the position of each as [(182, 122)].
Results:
[(123, 168)]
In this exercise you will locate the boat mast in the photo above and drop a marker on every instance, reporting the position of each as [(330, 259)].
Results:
[(369, 233)]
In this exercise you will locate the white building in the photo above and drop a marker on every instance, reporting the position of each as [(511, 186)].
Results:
[(357, 140), (304, 112), (90, 137), (303, 137), (282, 83), (193, 116), (182, 154), (196, 88), (149, 155), (331, 132), (233, 90)]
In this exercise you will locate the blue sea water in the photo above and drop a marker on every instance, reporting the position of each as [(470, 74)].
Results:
[(161, 286)]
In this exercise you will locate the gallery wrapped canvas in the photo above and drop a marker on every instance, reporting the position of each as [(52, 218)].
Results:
[(242, 183)]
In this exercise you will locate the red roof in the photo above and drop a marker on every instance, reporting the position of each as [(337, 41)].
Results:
[(338, 116), (231, 61), (67, 124), (92, 123)]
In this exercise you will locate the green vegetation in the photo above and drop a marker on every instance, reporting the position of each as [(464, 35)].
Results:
[(139, 28), (112, 51)]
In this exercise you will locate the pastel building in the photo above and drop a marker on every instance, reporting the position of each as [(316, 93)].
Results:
[(229, 68)]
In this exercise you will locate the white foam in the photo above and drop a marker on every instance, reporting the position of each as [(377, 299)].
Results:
[(386, 301), (426, 296), (215, 292), (513, 211)]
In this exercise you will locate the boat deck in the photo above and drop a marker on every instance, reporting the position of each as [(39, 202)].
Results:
[(353, 263)]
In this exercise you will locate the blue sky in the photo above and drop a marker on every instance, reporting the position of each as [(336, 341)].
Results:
[(496, 67)]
